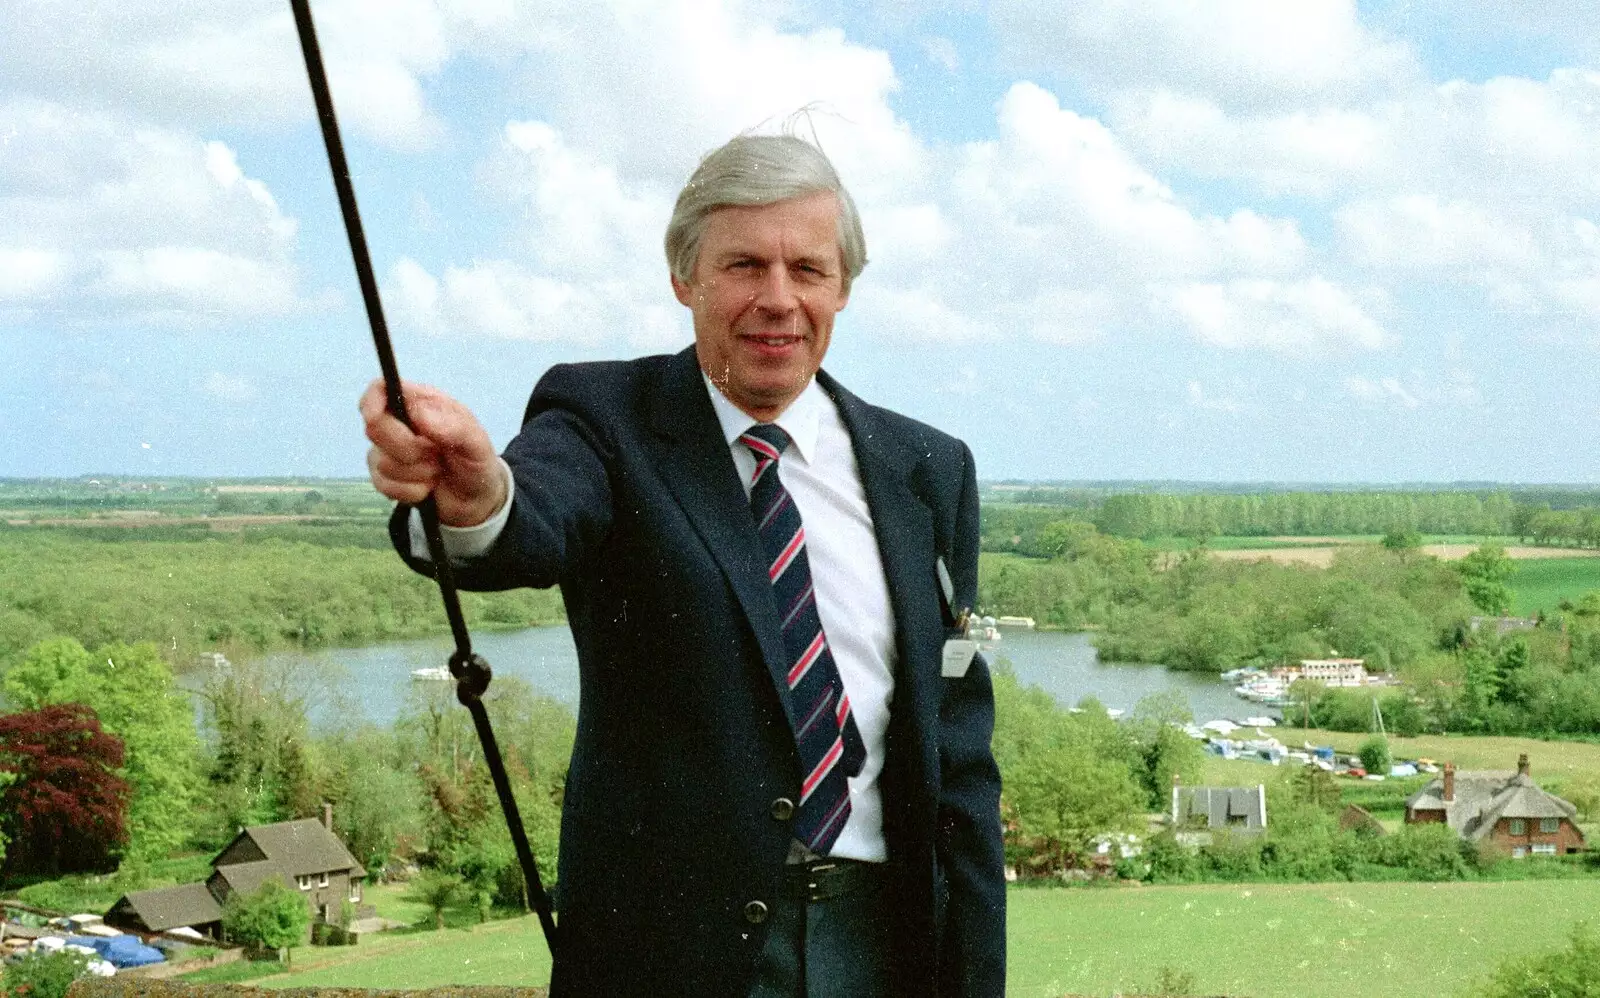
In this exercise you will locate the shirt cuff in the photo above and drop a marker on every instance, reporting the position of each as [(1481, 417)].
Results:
[(464, 543)]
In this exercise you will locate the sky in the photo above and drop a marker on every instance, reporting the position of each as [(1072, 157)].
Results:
[(1231, 240)]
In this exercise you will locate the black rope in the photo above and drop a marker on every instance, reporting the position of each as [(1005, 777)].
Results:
[(471, 672)]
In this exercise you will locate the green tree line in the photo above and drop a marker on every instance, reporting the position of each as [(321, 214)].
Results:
[(1015, 527), (241, 594)]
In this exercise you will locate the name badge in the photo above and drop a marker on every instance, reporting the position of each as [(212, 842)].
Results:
[(958, 653)]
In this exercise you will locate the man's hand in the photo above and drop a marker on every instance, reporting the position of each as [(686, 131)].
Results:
[(448, 455)]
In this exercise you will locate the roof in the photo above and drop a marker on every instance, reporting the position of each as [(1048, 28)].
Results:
[(295, 849), (1484, 796), (1217, 804), (245, 878), (169, 907)]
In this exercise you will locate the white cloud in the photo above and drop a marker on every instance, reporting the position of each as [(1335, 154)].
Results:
[(189, 63), (95, 209), (1244, 53), (1051, 231), (590, 269), (1294, 317), (650, 87), (29, 273), (1418, 231)]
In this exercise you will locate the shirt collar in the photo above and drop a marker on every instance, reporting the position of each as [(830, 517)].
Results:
[(802, 420)]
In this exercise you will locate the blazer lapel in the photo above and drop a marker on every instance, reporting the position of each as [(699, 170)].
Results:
[(903, 524), (695, 464)]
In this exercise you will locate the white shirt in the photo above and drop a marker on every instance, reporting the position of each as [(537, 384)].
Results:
[(819, 471)]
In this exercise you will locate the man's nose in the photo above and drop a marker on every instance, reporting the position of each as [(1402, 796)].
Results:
[(777, 291)]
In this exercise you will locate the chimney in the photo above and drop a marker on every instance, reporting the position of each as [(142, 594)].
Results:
[(1522, 764), (327, 816), (1449, 783)]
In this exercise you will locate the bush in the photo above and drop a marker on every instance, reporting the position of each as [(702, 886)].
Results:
[(1570, 973), (45, 975), (1170, 861), (1375, 755), (273, 917)]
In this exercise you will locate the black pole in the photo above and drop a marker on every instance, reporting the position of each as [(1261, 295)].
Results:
[(471, 672)]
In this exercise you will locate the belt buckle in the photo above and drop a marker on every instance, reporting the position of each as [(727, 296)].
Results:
[(820, 886)]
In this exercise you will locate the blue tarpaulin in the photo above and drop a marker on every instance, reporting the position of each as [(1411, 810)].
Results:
[(120, 951)]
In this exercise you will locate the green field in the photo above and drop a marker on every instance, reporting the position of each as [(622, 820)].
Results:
[(1286, 940), (1260, 940), (1541, 584)]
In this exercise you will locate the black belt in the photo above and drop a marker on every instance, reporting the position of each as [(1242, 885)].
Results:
[(830, 877)]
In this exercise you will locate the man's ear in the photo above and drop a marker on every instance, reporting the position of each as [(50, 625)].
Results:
[(684, 292)]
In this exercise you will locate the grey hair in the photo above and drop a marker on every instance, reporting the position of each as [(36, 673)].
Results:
[(757, 170)]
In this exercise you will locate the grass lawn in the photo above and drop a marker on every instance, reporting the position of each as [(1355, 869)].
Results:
[(1542, 584), (1285, 940), (1260, 940)]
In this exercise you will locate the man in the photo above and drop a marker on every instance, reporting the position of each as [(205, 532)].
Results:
[(781, 783)]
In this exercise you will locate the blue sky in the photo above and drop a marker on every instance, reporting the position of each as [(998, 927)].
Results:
[(1236, 240)]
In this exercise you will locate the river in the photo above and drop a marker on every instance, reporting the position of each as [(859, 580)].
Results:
[(373, 682)]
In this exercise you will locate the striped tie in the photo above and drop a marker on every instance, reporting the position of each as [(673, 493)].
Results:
[(826, 735)]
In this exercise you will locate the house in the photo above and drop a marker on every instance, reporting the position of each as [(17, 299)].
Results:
[(304, 854), (1241, 809), (1503, 808), (1333, 671)]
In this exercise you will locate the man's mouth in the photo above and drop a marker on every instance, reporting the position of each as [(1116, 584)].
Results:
[(773, 340)]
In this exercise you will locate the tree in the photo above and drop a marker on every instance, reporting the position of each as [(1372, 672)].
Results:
[(1375, 755), (65, 810), (134, 695), (272, 917), (1484, 574), (263, 770), (1402, 540), (6, 779), (437, 890)]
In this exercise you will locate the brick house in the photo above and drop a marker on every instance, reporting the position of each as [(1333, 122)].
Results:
[(305, 854), (1504, 808)]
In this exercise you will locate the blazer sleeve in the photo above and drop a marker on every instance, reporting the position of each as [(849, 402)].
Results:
[(561, 504), (970, 849)]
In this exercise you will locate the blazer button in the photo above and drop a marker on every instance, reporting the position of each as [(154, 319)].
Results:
[(755, 912), (782, 809)]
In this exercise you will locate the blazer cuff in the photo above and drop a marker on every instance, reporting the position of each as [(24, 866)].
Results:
[(466, 543)]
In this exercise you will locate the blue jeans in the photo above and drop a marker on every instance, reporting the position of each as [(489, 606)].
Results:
[(838, 948)]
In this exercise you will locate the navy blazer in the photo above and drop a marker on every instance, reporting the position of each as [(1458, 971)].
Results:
[(627, 497)]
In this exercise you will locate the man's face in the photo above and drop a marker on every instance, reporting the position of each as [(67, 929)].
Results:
[(766, 286)]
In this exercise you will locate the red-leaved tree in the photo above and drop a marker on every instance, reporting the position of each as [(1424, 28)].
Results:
[(65, 811)]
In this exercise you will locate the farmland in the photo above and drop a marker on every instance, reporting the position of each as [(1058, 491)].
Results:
[(1542, 585)]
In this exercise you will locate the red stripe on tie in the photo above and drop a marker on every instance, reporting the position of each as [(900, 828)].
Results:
[(787, 555), (807, 658), (822, 770), (756, 443), (844, 708)]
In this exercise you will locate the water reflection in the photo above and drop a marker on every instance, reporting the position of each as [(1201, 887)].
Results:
[(372, 683)]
